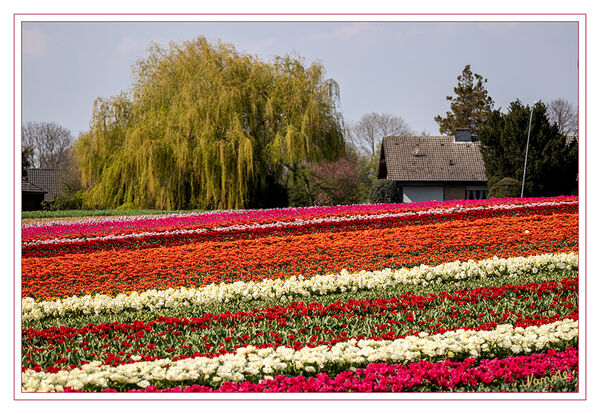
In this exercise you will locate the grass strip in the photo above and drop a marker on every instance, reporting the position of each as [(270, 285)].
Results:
[(99, 213)]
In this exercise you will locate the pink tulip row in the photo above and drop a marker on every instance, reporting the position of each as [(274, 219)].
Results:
[(418, 376), (132, 224)]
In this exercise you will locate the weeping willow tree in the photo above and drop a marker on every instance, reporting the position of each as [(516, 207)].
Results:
[(204, 126)]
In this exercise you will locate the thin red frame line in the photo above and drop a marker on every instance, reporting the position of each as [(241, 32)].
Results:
[(585, 206), (295, 399), (299, 14), (14, 201), (298, 21), (584, 15)]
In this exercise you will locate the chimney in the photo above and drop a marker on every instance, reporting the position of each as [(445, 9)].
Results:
[(462, 135)]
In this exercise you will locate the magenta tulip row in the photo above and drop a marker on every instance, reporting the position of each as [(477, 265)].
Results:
[(530, 370), (111, 226)]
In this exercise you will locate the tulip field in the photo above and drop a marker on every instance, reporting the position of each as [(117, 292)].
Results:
[(442, 296)]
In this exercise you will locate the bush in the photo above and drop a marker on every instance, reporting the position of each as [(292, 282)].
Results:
[(339, 182), (48, 205), (63, 202), (68, 199), (385, 191), (506, 187), (328, 183), (127, 206)]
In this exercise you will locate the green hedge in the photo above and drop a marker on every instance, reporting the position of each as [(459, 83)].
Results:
[(506, 187), (385, 191)]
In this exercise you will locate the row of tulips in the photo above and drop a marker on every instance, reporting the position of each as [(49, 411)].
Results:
[(299, 287), (270, 257), (175, 237), (132, 224), (300, 324), (396, 216), (111, 225), (253, 364), (531, 373)]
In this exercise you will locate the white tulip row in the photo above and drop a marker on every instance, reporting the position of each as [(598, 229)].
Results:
[(298, 286), (250, 363), (300, 222)]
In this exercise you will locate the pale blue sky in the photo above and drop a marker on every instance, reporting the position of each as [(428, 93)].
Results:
[(405, 69)]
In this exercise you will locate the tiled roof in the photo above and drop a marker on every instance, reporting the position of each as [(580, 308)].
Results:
[(426, 158), (49, 180), (27, 187)]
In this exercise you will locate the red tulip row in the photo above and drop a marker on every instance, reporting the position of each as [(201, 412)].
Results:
[(171, 238), (300, 324), (135, 224)]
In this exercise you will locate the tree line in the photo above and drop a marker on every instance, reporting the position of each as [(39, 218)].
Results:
[(206, 127), (552, 153)]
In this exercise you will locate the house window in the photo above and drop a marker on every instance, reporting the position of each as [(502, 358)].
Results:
[(476, 192), (412, 194)]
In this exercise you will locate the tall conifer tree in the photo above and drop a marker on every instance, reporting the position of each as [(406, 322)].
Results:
[(470, 106)]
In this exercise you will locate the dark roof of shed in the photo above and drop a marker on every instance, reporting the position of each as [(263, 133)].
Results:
[(437, 159), (27, 187), (48, 179)]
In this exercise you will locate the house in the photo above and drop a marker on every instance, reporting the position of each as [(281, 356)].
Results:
[(434, 168), (32, 196)]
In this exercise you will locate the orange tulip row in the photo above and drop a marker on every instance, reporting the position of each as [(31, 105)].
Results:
[(269, 256)]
